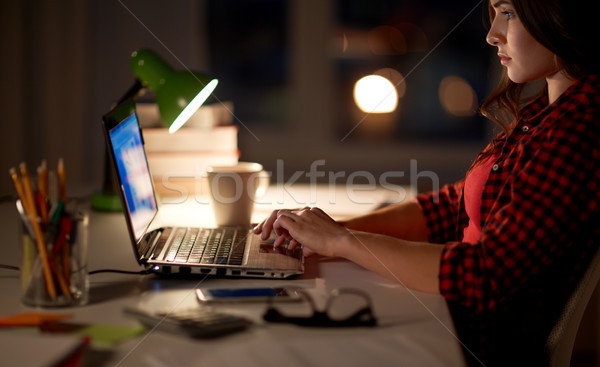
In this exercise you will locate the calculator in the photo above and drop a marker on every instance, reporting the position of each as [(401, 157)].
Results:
[(198, 322)]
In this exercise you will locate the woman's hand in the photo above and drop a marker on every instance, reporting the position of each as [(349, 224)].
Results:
[(413, 264), (311, 227)]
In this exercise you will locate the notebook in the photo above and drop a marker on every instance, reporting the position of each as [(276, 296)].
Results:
[(229, 251)]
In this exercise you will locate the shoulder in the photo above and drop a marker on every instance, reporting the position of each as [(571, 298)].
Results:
[(577, 110), (582, 98)]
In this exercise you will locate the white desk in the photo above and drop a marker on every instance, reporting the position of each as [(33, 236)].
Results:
[(415, 328)]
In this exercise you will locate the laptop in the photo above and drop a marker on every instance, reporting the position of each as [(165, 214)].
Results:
[(223, 251)]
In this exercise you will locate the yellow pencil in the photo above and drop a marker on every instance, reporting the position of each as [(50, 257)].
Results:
[(43, 190), (18, 186), (27, 240), (62, 181), (62, 282), (33, 217), (27, 189)]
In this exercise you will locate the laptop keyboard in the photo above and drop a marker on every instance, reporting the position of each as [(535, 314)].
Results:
[(204, 246)]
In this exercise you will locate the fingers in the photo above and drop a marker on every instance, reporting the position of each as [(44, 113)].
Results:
[(281, 226), (258, 227), (281, 221), (279, 240), (266, 227), (320, 213)]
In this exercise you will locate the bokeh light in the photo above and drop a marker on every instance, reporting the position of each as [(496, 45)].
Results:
[(386, 40), (457, 96), (395, 77), (375, 94)]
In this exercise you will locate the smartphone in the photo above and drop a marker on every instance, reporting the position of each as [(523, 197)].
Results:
[(247, 294)]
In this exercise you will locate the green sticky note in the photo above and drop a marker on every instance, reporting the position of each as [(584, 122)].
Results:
[(110, 335)]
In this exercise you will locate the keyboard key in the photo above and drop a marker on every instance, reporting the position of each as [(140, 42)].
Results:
[(186, 245), (175, 244), (161, 242), (199, 246)]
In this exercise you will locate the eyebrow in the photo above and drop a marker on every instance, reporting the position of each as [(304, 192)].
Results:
[(501, 2)]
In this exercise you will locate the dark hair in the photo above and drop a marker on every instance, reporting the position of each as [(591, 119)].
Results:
[(565, 27)]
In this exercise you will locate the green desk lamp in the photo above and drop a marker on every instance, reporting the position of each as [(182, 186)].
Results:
[(179, 94)]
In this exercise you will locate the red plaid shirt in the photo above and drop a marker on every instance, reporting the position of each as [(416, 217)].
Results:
[(540, 214)]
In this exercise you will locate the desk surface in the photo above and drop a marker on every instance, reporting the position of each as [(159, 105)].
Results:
[(415, 328)]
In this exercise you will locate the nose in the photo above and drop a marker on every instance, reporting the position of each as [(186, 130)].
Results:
[(495, 35)]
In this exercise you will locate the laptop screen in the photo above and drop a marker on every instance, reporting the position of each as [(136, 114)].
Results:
[(134, 175)]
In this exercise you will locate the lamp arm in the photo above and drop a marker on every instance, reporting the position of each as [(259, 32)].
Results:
[(131, 92)]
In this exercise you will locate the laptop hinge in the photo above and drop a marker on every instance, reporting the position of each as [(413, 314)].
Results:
[(148, 244)]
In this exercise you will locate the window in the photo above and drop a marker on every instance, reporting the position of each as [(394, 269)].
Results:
[(440, 72), (249, 54)]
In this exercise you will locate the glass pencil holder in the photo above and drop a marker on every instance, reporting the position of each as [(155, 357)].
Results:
[(54, 269)]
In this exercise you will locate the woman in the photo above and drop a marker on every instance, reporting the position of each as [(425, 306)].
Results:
[(505, 245)]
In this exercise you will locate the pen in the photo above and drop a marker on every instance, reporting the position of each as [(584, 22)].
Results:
[(64, 287), (61, 246), (56, 212), (25, 219)]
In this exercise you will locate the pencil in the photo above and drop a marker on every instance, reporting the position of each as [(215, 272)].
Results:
[(62, 282), (18, 186), (62, 181), (27, 189), (62, 188), (43, 191), (32, 213)]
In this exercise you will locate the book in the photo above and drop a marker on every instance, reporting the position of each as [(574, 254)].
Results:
[(179, 173), (178, 161), (188, 164), (217, 139), (207, 116)]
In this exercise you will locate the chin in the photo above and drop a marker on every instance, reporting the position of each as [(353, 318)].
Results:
[(521, 76), (516, 77)]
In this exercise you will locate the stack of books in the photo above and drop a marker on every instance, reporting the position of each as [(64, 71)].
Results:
[(178, 161)]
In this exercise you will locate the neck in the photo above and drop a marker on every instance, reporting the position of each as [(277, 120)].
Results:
[(557, 84)]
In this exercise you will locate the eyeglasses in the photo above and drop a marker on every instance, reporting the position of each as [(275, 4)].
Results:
[(362, 316)]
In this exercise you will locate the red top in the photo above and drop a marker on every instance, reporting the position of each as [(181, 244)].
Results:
[(474, 183), (540, 215)]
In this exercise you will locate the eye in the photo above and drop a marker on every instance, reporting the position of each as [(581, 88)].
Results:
[(508, 14)]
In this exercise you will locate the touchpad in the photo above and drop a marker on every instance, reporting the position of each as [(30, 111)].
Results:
[(266, 247)]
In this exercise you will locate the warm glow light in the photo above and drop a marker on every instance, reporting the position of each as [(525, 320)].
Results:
[(457, 97), (395, 77), (375, 94), (386, 40), (193, 106)]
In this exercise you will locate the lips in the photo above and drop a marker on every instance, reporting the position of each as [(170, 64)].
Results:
[(503, 58)]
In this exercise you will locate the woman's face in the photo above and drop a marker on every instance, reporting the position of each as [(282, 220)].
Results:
[(524, 58)]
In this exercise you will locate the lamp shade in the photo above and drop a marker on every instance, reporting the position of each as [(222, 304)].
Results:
[(179, 93)]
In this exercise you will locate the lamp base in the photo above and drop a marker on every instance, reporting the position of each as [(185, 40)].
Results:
[(106, 202)]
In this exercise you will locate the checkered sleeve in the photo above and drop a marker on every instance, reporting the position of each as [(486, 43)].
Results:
[(442, 212), (548, 198)]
